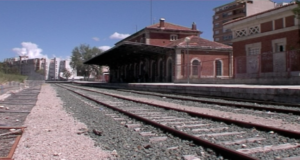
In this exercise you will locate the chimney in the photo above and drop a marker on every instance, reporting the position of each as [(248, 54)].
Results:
[(162, 23), (194, 27)]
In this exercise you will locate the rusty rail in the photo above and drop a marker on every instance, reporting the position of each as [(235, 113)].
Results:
[(14, 146), (288, 133), (228, 104), (226, 152)]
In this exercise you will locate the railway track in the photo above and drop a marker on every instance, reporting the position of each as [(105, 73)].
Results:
[(231, 102), (231, 138), (200, 96), (13, 112), (285, 113)]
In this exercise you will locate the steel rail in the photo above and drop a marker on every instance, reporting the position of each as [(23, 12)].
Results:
[(228, 104), (288, 133), (226, 152), (17, 140), (198, 95)]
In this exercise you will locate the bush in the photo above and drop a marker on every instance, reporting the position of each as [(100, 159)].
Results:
[(11, 77)]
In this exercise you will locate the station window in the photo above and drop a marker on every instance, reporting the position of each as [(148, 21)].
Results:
[(173, 37), (195, 67), (218, 68)]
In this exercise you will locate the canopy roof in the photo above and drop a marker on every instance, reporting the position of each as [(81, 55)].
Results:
[(127, 52)]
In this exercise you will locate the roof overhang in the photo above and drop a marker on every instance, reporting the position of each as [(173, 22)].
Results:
[(128, 52)]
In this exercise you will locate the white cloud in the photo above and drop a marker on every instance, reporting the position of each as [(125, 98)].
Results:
[(29, 49), (95, 38), (117, 35), (104, 48)]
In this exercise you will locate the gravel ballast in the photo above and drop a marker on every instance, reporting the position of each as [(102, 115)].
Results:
[(51, 133)]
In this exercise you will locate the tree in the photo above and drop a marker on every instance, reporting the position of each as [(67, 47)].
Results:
[(67, 74), (81, 54), (296, 11)]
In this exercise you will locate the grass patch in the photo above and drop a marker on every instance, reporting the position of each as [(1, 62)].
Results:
[(11, 77)]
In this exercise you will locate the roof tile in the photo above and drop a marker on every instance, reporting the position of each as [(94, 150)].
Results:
[(169, 26), (196, 41)]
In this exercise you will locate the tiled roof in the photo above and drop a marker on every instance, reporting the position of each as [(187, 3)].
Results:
[(260, 13), (169, 26), (198, 42)]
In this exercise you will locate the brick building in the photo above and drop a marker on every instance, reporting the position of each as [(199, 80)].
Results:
[(266, 45), (234, 10), (162, 53)]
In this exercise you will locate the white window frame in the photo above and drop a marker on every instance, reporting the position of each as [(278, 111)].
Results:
[(254, 47), (276, 43), (173, 37), (215, 70)]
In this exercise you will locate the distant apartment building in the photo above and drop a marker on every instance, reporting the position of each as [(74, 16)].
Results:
[(234, 10), (41, 68), (33, 68), (53, 69)]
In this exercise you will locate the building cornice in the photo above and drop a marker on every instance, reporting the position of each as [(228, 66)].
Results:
[(266, 33)]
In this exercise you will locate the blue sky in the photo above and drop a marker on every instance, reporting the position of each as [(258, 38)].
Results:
[(54, 28)]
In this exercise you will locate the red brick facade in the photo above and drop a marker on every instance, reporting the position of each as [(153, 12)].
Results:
[(271, 52), (158, 53), (239, 48), (290, 21), (207, 60), (278, 23), (266, 27)]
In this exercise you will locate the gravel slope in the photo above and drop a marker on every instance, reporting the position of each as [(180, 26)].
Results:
[(51, 133)]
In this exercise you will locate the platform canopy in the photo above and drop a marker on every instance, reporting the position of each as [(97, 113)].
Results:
[(128, 52)]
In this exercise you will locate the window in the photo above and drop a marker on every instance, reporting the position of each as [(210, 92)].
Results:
[(217, 32), (253, 51), (218, 68), (227, 37), (224, 14), (217, 39), (216, 17), (279, 45), (195, 67), (173, 37)]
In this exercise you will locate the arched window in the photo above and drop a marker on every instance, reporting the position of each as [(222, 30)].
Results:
[(161, 69), (195, 67), (154, 71), (218, 68), (170, 70), (137, 70)]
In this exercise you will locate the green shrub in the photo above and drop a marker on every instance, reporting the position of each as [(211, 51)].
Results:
[(11, 77)]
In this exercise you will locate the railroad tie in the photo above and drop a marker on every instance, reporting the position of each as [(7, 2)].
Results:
[(268, 148)]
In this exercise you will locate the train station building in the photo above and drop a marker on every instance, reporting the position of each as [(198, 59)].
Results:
[(166, 52)]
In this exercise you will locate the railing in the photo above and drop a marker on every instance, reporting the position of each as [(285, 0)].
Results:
[(268, 65)]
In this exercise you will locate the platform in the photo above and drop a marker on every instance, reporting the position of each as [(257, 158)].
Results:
[(275, 93)]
